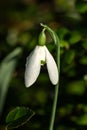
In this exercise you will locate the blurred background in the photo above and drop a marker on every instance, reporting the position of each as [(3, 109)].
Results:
[(19, 29)]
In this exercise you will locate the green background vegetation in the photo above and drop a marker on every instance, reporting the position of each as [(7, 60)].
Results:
[(19, 29)]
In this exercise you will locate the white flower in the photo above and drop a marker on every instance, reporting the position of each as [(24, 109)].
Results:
[(34, 61)]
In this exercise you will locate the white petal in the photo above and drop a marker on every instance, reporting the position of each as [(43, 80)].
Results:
[(52, 67), (32, 67)]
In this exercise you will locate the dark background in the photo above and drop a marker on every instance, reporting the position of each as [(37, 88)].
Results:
[(19, 27)]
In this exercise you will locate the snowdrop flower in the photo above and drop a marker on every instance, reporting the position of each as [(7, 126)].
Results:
[(38, 57)]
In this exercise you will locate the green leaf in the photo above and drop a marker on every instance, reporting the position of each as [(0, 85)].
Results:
[(62, 32), (18, 117), (6, 70), (83, 60), (85, 44), (81, 120), (82, 7), (69, 56), (76, 87), (63, 44), (75, 37)]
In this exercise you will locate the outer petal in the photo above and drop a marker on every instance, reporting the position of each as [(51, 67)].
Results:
[(32, 67), (52, 67)]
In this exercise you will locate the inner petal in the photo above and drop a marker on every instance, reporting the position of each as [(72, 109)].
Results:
[(42, 55)]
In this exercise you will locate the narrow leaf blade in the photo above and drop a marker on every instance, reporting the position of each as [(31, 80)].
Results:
[(7, 67)]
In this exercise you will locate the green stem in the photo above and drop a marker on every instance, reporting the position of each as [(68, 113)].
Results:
[(56, 91), (54, 108)]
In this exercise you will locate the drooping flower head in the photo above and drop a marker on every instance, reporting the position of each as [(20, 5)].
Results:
[(38, 57)]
